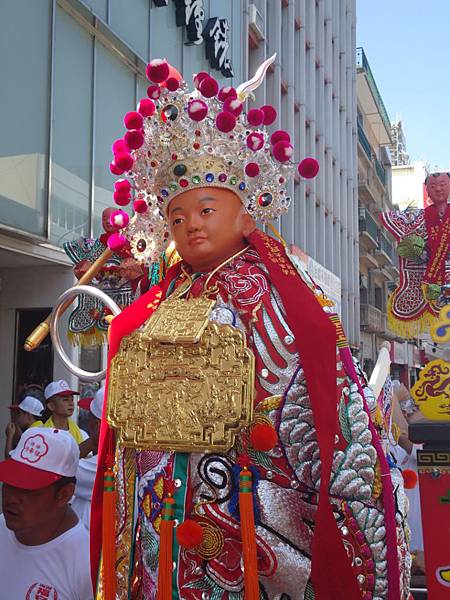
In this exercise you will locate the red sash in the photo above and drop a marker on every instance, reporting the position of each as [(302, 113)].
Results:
[(438, 242)]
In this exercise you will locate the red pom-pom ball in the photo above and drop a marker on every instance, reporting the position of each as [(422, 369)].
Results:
[(117, 241), (278, 136), (227, 92), (172, 84), (115, 169), (282, 151), (140, 206), (225, 122), (270, 114), (158, 70), (252, 169), (255, 141), (123, 186), (154, 92), (255, 117), (146, 107), (197, 109), (233, 105), (199, 78), (122, 198), (189, 534), (208, 87), (118, 146), (133, 120), (263, 437), (409, 479), (123, 160), (134, 139), (119, 218), (308, 168)]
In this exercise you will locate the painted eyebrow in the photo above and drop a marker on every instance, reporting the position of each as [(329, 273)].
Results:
[(179, 208)]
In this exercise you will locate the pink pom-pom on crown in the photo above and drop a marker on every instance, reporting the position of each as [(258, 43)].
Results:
[(255, 141), (252, 169), (140, 206), (255, 117), (123, 160), (153, 92), (123, 186), (117, 241), (197, 109), (208, 87), (119, 218), (172, 84), (134, 139), (278, 136), (133, 120), (146, 107), (270, 114), (234, 106), (225, 122), (158, 70), (308, 168), (115, 169), (282, 151), (118, 146), (227, 92), (199, 77), (122, 199)]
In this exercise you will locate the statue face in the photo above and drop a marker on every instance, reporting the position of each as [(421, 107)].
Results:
[(208, 225), (438, 188)]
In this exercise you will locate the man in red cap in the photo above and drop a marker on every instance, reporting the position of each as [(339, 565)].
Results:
[(42, 541)]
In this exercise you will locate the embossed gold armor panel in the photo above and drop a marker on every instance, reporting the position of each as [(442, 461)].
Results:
[(185, 396)]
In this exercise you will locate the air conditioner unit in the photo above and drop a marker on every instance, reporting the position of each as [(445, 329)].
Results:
[(255, 21)]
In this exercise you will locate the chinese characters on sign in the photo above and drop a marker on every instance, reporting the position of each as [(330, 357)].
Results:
[(191, 15)]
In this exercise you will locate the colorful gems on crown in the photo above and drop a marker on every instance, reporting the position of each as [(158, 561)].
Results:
[(242, 186), (141, 245), (222, 177), (169, 113), (164, 193), (179, 170), (173, 187), (265, 199), (196, 179), (183, 183), (233, 180), (209, 177)]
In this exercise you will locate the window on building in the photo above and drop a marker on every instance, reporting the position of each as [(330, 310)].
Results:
[(115, 95), (24, 117), (72, 130)]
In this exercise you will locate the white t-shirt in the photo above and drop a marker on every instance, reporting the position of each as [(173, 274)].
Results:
[(81, 501), (57, 570)]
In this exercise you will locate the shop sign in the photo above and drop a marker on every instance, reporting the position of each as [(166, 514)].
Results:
[(215, 34)]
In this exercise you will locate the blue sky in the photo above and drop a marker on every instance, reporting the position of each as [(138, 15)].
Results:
[(407, 44)]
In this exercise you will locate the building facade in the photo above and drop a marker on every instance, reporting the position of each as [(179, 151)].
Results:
[(377, 259), (76, 67)]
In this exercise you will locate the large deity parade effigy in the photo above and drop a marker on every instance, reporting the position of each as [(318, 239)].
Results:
[(238, 457)]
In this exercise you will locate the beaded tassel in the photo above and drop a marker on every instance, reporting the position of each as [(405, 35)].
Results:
[(109, 536), (248, 535), (165, 550)]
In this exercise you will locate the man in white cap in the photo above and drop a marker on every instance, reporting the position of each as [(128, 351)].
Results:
[(43, 545), (60, 402), (25, 414), (87, 467)]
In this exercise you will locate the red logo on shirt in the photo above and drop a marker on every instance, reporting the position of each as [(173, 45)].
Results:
[(35, 448), (40, 591)]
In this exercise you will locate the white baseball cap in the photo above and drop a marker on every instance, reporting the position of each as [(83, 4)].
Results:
[(95, 404), (58, 388), (30, 405), (42, 456)]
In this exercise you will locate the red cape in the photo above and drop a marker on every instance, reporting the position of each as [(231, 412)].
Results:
[(315, 337)]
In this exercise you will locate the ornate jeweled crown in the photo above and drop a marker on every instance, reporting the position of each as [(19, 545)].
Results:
[(179, 139)]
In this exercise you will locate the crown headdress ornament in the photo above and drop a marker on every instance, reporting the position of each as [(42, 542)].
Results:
[(180, 139)]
